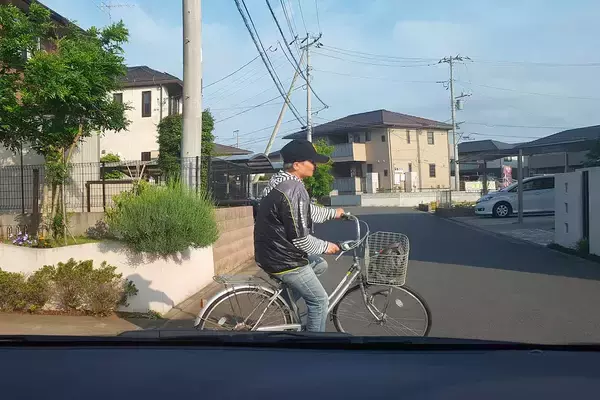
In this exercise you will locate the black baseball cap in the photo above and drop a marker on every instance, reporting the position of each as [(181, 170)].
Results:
[(301, 150)]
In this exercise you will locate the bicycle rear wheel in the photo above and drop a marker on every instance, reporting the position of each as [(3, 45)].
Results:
[(241, 308), (386, 311)]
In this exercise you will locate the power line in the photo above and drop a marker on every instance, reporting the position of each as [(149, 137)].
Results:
[(289, 23), (250, 109), (532, 93), (318, 19), (339, 49), (378, 64), (302, 15), (518, 126), (373, 57), (372, 77), (295, 64), (233, 73), (264, 57)]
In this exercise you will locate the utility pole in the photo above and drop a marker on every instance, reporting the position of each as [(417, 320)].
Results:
[(450, 61), (191, 137), (280, 118), (306, 48), (236, 133)]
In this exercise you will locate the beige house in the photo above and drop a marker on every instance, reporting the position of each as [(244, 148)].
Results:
[(406, 153), (151, 96)]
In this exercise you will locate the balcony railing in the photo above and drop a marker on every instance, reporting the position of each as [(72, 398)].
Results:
[(349, 152)]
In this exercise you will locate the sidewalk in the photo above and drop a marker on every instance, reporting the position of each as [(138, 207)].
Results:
[(535, 229), (181, 316)]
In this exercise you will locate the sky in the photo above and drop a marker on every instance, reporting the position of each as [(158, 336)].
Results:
[(533, 71)]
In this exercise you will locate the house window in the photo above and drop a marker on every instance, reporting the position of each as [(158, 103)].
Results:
[(369, 168), (174, 105), (430, 139), (432, 170), (383, 138), (118, 98), (385, 172), (409, 167), (146, 104), (407, 136), (368, 137)]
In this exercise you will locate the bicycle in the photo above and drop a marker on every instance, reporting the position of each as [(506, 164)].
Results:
[(380, 285)]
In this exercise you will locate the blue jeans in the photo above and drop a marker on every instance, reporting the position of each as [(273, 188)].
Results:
[(304, 283)]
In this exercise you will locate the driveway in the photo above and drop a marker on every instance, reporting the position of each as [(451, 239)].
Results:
[(483, 286)]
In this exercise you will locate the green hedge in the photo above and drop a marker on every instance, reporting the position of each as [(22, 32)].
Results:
[(70, 286), (163, 219)]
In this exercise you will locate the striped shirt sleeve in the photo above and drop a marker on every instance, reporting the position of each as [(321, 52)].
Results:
[(321, 214), (310, 244)]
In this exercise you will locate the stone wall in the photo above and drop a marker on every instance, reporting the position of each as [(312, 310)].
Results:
[(235, 246)]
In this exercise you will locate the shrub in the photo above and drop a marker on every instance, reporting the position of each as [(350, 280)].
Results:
[(99, 231), (70, 283), (111, 174), (12, 291), (163, 220), (40, 288), (105, 290)]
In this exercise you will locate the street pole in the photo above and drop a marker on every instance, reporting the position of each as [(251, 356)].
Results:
[(454, 142), (520, 185), (237, 134), (191, 138), (308, 105)]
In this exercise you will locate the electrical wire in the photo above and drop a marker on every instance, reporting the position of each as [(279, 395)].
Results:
[(376, 64), (302, 16), (531, 93), (233, 73), (318, 19), (264, 57), (371, 77), (295, 64), (339, 49)]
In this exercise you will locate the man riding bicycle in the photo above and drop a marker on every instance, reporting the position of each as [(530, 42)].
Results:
[(283, 244)]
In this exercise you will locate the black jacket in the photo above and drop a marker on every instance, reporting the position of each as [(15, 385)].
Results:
[(282, 239)]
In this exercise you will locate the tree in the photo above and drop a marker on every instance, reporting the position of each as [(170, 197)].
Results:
[(51, 100), (111, 174), (321, 183), (57, 98), (593, 156), (169, 145)]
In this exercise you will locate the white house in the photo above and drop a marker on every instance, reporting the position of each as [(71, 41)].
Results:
[(151, 96)]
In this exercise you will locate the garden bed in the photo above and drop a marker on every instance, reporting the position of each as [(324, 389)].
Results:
[(162, 282)]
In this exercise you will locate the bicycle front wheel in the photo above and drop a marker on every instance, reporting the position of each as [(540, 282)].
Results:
[(382, 311), (244, 309)]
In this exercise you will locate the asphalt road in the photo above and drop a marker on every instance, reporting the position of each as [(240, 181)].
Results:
[(483, 286)]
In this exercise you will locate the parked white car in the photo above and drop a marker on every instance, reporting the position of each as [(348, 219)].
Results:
[(538, 197)]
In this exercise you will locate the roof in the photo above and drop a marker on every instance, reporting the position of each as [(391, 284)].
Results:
[(145, 76), (483, 145), (223, 150), (255, 163), (371, 119), (588, 133), (571, 140)]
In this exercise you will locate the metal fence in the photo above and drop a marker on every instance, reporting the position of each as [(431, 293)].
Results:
[(92, 186)]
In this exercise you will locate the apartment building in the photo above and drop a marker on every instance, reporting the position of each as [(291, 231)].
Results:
[(406, 153)]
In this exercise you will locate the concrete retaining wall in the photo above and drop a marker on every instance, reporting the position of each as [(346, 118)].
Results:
[(236, 239), (568, 217), (162, 282), (411, 199), (78, 222)]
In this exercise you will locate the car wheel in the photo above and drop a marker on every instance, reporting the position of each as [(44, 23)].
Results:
[(502, 210)]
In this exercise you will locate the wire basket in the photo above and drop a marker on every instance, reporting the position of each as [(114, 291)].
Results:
[(386, 258)]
